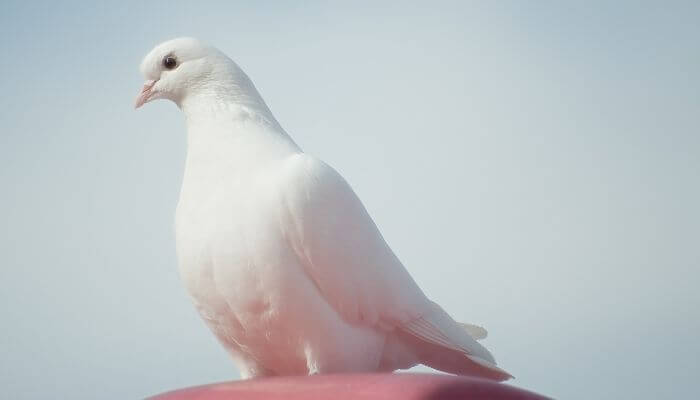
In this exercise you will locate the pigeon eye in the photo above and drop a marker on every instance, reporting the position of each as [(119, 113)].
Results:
[(169, 62)]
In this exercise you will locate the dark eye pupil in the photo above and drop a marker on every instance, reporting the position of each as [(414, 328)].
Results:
[(169, 62)]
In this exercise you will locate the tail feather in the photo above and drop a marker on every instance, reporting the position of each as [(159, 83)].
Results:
[(474, 331), (442, 343)]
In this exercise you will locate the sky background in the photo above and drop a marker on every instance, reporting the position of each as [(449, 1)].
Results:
[(535, 165)]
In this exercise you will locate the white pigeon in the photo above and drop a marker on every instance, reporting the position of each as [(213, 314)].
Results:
[(277, 252)]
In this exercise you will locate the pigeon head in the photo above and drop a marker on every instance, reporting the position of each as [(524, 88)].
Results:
[(185, 68)]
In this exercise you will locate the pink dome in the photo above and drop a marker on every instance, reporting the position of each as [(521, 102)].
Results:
[(405, 386)]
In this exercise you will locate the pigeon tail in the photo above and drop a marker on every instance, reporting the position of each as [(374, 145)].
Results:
[(444, 344)]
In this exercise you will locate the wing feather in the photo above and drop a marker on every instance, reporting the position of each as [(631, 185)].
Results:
[(343, 251), (347, 258)]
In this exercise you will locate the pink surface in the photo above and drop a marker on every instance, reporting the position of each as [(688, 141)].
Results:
[(354, 386)]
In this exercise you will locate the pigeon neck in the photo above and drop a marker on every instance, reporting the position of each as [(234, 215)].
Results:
[(224, 131), (228, 92), (230, 105)]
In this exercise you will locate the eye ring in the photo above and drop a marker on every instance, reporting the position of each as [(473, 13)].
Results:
[(169, 62)]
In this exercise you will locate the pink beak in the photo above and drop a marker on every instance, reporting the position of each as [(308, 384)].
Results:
[(146, 93)]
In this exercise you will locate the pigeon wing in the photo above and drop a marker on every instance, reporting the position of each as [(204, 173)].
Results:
[(343, 251), (347, 258)]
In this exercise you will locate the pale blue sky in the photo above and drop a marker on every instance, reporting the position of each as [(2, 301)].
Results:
[(534, 164)]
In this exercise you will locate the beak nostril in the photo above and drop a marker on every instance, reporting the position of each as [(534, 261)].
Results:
[(148, 85)]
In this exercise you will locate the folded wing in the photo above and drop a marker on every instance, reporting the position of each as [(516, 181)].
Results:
[(358, 274)]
